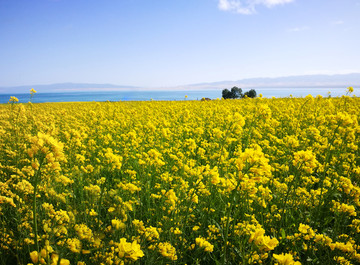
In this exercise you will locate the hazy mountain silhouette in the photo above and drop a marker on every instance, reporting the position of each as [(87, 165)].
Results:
[(300, 81), (65, 87)]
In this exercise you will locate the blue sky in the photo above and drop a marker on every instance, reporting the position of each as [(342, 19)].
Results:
[(157, 43)]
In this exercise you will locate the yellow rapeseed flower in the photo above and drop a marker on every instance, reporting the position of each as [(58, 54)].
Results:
[(13, 99), (202, 243), (129, 250), (285, 259), (167, 250)]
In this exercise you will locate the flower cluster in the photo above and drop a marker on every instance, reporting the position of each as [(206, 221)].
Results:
[(250, 181)]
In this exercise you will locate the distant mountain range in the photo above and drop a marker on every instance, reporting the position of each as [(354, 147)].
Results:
[(65, 87), (301, 81)]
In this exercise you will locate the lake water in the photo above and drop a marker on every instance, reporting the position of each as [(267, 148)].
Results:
[(164, 95)]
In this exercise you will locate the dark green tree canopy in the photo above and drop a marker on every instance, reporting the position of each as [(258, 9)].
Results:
[(236, 92), (226, 93), (251, 93)]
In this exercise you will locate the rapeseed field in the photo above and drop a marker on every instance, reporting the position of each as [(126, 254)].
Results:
[(250, 181)]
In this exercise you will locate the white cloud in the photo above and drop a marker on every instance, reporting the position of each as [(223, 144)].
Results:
[(247, 7), (235, 6), (270, 3)]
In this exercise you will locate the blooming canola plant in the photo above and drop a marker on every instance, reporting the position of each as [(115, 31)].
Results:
[(270, 181)]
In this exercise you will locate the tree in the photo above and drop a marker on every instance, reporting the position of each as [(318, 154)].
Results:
[(234, 93), (226, 93), (250, 94)]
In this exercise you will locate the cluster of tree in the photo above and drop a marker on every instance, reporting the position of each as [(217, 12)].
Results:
[(236, 92)]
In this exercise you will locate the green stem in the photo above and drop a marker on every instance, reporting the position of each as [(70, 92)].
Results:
[(327, 164), (228, 222), (36, 176), (35, 212)]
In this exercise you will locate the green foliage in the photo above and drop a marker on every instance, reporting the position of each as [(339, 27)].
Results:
[(236, 92), (250, 94)]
